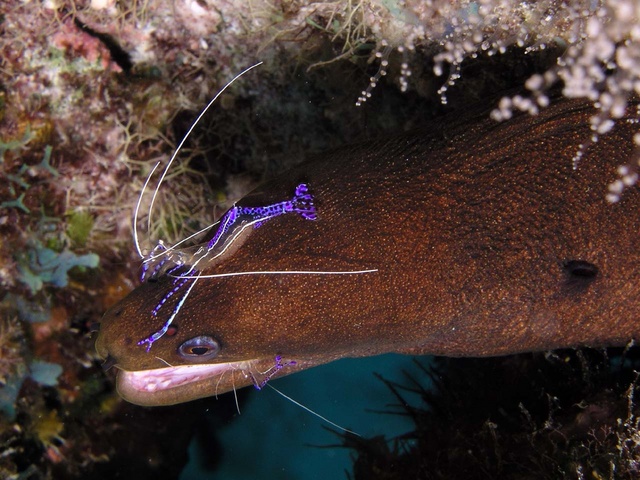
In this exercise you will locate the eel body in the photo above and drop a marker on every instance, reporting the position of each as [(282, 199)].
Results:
[(485, 239)]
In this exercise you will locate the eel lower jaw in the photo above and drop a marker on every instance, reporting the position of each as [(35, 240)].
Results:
[(183, 383)]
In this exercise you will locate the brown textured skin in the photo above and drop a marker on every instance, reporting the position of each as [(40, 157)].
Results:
[(470, 224)]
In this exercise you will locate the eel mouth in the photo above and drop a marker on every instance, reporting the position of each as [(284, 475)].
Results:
[(183, 383)]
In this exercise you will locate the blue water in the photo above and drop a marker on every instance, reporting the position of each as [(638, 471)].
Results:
[(272, 438)]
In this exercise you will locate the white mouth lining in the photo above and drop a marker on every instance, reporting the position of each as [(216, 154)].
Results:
[(170, 377)]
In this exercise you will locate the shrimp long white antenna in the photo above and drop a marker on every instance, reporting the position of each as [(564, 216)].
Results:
[(235, 394), (312, 412), (281, 272), (135, 213), (184, 139), (167, 250)]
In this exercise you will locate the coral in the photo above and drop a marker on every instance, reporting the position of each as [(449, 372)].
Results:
[(12, 365), (565, 415), (14, 145), (40, 265), (25, 172), (48, 428), (9, 394), (35, 310), (627, 433), (79, 43), (11, 347), (14, 368), (45, 373), (17, 203)]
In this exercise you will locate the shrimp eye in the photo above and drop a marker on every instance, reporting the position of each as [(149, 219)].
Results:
[(202, 346)]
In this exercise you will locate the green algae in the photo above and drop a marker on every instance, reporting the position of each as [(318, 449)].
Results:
[(79, 226)]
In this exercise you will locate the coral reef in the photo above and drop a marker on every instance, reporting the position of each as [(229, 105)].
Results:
[(93, 93), (570, 415)]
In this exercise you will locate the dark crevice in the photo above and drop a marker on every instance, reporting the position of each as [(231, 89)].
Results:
[(119, 55)]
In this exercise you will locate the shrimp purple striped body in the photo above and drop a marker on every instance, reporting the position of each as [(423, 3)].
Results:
[(236, 218)]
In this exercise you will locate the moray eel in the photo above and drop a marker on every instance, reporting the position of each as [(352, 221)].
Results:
[(485, 239)]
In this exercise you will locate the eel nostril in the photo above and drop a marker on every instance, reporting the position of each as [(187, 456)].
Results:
[(94, 327), (108, 363)]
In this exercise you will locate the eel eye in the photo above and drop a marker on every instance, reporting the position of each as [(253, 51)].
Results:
[(199, 347)]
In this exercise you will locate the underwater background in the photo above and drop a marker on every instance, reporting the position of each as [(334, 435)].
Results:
[(288, 442), (94, 92)]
